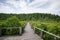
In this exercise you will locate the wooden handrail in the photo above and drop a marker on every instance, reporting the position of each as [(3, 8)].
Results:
[(47, 32), (8, 27), (20, 28)]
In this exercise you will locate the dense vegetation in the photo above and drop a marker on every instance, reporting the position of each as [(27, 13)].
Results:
[(50, 26), (34, 16), (6, 25), (46, 21)]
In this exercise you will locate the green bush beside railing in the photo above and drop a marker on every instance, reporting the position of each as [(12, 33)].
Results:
[(45, 34), (7, 27)]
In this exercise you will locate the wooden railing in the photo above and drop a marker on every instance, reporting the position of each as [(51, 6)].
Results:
[(20, 28), (55, 36)]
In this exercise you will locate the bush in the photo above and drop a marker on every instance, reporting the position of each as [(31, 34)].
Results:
[(12, 31), (56, 30), (11, 22), (43, 26)]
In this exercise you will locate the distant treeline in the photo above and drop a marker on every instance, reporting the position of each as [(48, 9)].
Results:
[(32, 16)]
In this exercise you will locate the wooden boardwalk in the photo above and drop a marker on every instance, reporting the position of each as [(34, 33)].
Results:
[(28, 35)]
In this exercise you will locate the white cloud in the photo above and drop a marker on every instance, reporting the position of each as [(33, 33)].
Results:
[(6, 9), (22, 6)]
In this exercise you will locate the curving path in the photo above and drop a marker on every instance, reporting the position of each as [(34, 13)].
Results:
[(28, 35)]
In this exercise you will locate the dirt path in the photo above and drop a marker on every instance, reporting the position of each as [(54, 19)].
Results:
[(28, 35)]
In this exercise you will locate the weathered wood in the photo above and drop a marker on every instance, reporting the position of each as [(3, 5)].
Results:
[(41, 34), (9, 27), (0, 31), (48, 33), (34, 29), (20, 30), (55, 38)]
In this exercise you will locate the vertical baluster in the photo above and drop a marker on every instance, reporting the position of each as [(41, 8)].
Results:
[(0, 31), (41, 34), (20, 30), (34, 29), (55, 38)]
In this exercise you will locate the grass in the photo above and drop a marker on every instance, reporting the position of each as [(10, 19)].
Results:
[(49, 24)]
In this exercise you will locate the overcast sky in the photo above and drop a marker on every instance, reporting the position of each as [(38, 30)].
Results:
[(30, 6)]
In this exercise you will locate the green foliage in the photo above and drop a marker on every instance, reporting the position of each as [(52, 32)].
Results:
[(46, 21), (56, 30), (11, 22), (4, 16), (22, 23), (43, 26), (12, 31), (33, 16), (50, 26)]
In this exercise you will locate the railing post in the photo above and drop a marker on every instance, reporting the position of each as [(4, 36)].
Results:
[(41, 34), (43, 31), (55, 38), (0, 30), (20, 30), (34, 29)]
